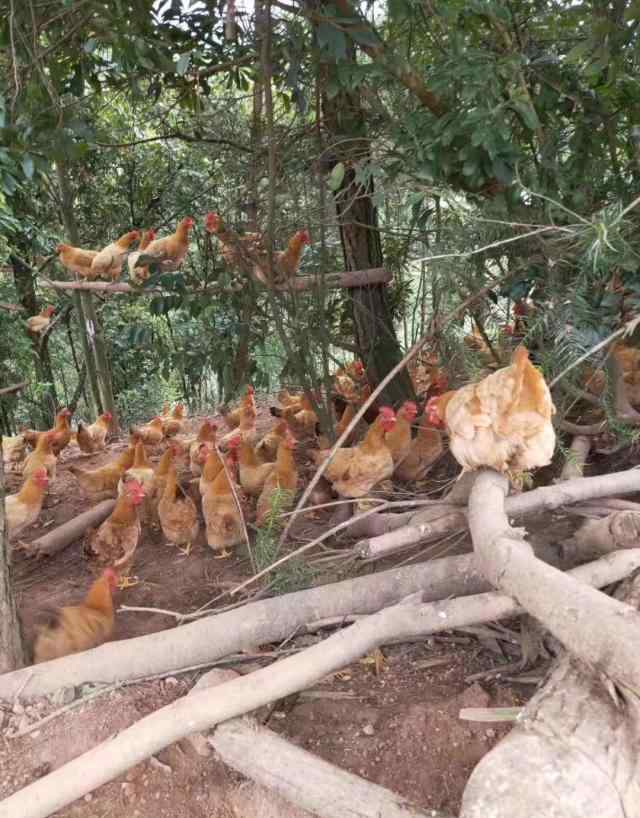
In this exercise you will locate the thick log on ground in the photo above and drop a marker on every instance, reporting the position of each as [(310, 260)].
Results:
[(269, 620), (300, 777), (573, 753), (595, 628), (203, 710), (60, 537)]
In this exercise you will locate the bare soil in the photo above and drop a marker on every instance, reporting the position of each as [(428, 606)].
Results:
[(397, 724)]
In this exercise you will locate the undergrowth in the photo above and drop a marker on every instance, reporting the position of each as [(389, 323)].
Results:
[(295, 574)]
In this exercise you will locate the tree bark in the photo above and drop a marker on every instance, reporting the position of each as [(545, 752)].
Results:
[(361, 245), (23, 279), (11, 649), (82, 301)]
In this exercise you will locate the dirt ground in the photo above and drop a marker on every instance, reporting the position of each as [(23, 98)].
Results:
[(397, 725)]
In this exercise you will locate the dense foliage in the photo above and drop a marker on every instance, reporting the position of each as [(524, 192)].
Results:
[(513, 127)]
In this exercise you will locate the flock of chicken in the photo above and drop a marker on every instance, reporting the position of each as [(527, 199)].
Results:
[(246, 252), (503, 421)]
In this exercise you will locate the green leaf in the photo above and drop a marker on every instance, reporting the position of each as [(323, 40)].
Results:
[(183, 64), (90, 46), (333, 40), (336, 176), (28, 166)]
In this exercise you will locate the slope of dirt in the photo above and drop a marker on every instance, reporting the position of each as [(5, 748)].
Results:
[(398, 727)]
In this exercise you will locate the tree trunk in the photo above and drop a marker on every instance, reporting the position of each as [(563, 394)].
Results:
[(11, 650), (91, 336), (23, 278), (375, 334)]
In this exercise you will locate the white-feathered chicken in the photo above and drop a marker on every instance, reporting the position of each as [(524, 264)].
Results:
[(503, 422)]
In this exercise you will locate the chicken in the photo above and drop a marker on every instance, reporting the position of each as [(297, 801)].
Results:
[(222, 517), (425, 450), (99, 430), (140, 274), (349, 380), (178, 514), (77, 260), (304, 421), (354, 471), (502, 422), (76, 628), (211, 465), (102, 483), (249, 254), (175, 424), (42, 456), (246, 429), (628, 358), (14, 450), (62, 429), (151, 433), (108, 262), (39, 323), (23, 509), (84, 440), (141, 472), (161, 473), (267, 447), (116, 540), (171, 250), (232, 416), (206, 434), (398, 440), (251, 471), (280, 487), (285, 398)]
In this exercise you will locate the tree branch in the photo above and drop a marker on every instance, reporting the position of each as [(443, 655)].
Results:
[(9, 390)]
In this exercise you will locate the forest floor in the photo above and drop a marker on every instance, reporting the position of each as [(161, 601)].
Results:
[(397, 725)]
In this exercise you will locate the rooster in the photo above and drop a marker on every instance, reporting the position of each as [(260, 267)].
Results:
[(79, 627), (108, 262), (503, 422), (23, 509)]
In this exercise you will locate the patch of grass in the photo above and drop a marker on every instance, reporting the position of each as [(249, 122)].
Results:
[(295, 574)]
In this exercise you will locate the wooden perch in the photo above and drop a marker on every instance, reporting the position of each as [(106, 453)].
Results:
[(302, 778), (333, 281), (563, 606), (202, 710), (411, 531), (10, 390), (60, 537)]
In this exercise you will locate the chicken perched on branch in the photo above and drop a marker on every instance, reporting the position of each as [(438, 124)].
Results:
[(108, 262), (76, 260), (248, 252), (39, 323), (169, 251), (502, 422), (140, 274), (354, 471), (23, 509), (79, 627)]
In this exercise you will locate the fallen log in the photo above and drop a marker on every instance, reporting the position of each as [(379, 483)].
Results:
[(566, 608), (612, 533), (573, 752), (546, 498), (576, 458), (203, 710), (300, 777), (68, 532)]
